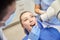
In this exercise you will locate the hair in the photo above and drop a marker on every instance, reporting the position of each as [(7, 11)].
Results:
[(3, 6)]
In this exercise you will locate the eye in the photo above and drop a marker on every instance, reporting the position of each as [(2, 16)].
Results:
[(25, 19), (32, 16)]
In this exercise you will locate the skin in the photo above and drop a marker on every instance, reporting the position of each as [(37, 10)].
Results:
[(10, 9), (28, 20), (38, 10)]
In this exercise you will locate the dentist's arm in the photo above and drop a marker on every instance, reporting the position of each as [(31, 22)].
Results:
[(53, 10)]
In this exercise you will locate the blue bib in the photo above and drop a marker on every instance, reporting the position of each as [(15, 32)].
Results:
[(49, 34)]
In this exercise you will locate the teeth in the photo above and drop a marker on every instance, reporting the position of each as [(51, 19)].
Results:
[(32, 25)]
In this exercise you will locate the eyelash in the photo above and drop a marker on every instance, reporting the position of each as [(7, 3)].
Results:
[(32, 16), (25, 19)]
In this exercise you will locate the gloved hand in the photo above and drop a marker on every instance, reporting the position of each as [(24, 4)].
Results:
[(34, 34)]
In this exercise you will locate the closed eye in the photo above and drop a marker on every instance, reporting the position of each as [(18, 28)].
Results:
[(32, 16), (25, 19)]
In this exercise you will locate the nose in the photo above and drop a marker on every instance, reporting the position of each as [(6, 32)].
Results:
[(30, 20)]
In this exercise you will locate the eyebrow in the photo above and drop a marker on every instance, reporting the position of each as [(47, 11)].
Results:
[(32, 15)]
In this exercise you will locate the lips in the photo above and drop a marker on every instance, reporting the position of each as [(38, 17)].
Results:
[(32, 25)]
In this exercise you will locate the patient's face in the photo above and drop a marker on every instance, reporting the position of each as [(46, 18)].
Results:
[(28, 21)]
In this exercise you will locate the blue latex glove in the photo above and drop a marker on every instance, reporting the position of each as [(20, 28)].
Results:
[(34, 34)]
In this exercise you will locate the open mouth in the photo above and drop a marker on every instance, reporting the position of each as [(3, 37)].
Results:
[(32, 25)]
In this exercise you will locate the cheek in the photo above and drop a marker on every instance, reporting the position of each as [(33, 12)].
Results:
[(34, 20), (25, 24)]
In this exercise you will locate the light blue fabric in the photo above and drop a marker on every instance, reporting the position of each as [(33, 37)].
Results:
[(44, 3), (54, 21), (10, 19), (44, 6)]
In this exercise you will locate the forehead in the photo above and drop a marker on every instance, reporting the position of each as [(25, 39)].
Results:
[(27, 14)]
